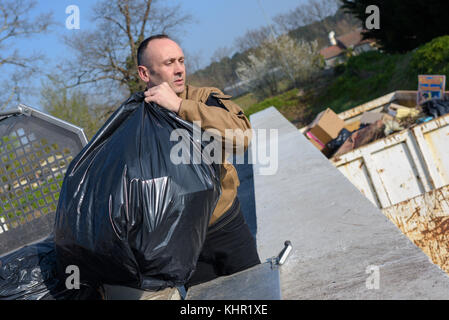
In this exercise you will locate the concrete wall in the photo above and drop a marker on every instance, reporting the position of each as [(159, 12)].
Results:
[(339, 238)]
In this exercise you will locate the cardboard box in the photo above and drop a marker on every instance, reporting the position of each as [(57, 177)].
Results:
[(352, 126), (326, 126), (324, 149)]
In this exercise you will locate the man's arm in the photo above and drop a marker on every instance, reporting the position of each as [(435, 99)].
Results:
[(216, 112), (220, 113)]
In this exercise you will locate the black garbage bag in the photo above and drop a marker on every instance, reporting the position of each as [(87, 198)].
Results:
[(29, 273), (336, 143), (436, 108), (127, 214)]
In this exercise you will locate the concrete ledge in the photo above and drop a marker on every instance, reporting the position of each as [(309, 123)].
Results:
[(339, 238)]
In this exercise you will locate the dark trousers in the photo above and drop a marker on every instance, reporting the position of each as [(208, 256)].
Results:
[(229, 248)]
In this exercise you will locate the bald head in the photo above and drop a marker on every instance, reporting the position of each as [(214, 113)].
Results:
[(161, 59), (158, 49), (141, 60)]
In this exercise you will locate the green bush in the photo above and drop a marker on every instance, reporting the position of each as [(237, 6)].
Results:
[(432, 58)]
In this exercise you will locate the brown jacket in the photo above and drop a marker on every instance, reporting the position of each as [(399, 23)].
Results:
[(215, 110)]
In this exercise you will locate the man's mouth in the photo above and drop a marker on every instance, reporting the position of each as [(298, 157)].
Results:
[(179, 81)]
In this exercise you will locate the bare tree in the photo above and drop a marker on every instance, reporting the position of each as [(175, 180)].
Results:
[(308, 13), (107, 56), (289, 21), (319, 10), (192, 61), (296, 60), (220, 53), (299, 59), (259, 75), (15, 23), (253, 39), (347, 24)]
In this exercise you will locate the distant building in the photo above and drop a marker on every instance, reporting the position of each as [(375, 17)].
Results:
[(336, 52)]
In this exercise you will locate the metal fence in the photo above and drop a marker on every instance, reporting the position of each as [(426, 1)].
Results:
[(35, 151)]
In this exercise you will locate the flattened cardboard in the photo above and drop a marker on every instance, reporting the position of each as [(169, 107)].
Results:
[(370, 117)]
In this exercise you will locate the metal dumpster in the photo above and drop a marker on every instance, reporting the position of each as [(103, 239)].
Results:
[(406, 175), (403, 165), (35, 151)]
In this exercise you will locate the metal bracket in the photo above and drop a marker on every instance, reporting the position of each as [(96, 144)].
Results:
[(282, 256), (24, 110)]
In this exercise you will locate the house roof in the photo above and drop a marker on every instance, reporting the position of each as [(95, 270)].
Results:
[(353, 38), (348, 40), (330, 52)]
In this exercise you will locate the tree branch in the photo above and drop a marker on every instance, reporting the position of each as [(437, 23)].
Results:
[(144, 22)]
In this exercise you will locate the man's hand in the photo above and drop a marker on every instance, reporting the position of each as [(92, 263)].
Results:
[(164, 96)]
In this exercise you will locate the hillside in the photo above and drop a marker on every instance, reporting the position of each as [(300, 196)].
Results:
[(359, 80)]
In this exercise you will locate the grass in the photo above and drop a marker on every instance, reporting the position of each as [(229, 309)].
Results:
[(246, 100), (364, 78), (281, 101), (249, 100)]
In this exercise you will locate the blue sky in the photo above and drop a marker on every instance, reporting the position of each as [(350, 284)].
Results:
[(217, 23), (221, 22)]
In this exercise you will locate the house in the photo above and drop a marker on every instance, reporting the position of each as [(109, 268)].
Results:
[(336, 52)]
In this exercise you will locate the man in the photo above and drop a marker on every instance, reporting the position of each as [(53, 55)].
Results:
[(229, 246)]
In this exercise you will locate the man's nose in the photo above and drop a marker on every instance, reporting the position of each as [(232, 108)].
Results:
[(179, 68)]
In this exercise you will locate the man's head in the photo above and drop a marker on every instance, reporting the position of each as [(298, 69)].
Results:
[(160, 59)]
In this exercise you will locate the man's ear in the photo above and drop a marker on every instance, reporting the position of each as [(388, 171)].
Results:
[(144, 73)]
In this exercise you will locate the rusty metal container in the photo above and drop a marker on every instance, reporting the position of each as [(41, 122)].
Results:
[(425, 221)]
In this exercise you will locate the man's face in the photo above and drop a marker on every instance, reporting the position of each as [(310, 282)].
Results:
[(166, 61)]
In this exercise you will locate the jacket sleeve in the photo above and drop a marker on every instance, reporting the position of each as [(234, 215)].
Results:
[(220, 113)]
